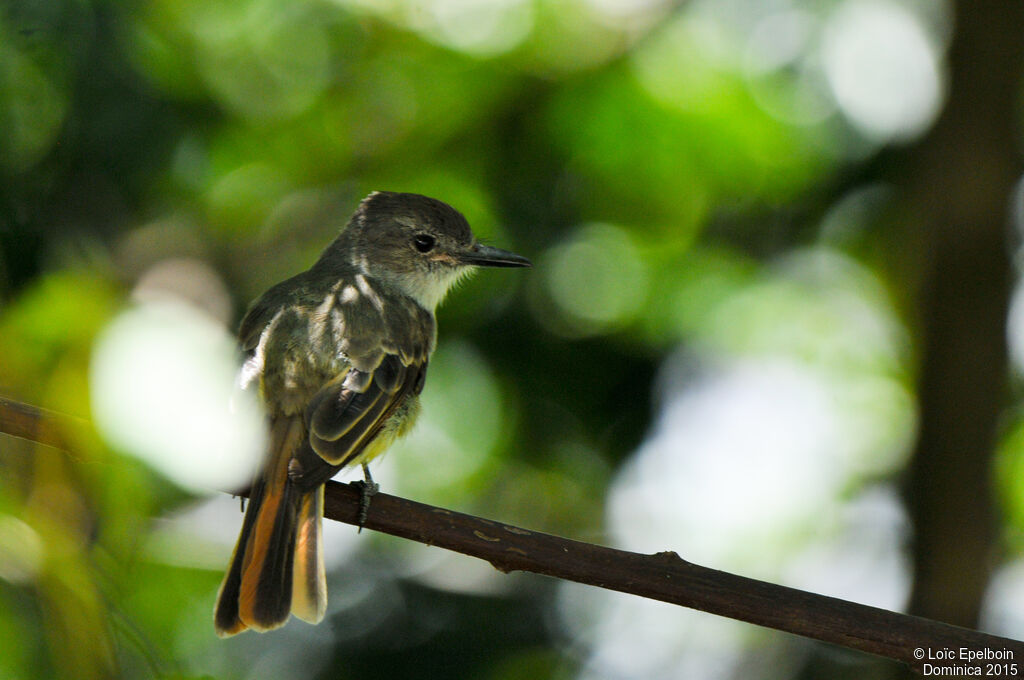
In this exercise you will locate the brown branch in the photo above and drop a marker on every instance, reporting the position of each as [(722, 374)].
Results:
[(663, 576), (33, 423)]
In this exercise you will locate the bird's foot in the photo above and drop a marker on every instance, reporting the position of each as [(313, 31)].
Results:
[(368, 489)]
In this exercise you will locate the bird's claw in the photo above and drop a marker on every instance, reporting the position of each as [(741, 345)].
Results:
[(367, 490)]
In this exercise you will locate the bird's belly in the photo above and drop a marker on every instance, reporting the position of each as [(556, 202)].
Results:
[(398, 425)]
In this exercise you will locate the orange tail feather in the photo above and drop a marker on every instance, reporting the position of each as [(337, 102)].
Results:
[(278, 553)]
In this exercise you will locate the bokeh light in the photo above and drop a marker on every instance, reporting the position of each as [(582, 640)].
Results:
[(784, 70), (259, 61), (595, 281), (883, 69), (163, 389), (22, 550), (1004, 600), (483, 28)]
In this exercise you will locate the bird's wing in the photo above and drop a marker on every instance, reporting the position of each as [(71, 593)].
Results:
[(346, 415), (388, 354), (251, 328), (260, 314)]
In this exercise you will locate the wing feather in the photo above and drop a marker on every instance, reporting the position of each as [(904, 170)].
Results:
[(342, 420), (336, 409)]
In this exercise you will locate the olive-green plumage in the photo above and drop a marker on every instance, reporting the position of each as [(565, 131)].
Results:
[(339, 355)]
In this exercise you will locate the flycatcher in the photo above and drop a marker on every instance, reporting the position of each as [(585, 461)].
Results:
[(339, 354)]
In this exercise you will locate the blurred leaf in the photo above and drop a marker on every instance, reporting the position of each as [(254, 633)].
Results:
[(33, 96), (1010, 480), (52, 322)]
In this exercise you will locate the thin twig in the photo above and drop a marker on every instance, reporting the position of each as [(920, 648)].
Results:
[(663, 576)]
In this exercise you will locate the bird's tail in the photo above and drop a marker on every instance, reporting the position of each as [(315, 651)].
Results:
[(277, 568)]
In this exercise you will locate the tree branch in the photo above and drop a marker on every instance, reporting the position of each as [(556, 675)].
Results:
[(663, 576), (667, 577), (31, 422)]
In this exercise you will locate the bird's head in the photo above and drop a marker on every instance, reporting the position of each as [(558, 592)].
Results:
[(417, 244)]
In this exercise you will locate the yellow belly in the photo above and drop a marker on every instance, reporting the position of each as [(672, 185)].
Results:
[(398, 425)]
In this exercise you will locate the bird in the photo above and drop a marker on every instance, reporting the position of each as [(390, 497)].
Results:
[(339, 356)]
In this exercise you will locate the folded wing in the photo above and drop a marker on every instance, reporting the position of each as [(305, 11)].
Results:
[(347, 414)]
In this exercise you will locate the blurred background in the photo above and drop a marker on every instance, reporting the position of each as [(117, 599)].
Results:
[(771, 323)]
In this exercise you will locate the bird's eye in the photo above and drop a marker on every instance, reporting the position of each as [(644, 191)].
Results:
[(424, 242)]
